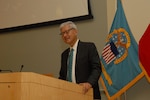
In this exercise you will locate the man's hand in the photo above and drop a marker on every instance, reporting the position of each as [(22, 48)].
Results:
[(86, 87)]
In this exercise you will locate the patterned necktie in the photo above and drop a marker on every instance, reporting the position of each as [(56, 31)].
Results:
[(70, 59)]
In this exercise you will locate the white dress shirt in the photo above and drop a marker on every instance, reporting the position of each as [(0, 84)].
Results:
[(74, 60)]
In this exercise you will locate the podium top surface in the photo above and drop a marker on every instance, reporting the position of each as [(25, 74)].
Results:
[(30, 77)]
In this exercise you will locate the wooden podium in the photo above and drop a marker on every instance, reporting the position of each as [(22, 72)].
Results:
[(33, 86)]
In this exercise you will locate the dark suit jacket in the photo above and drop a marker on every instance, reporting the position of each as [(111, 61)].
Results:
[(87, 68)]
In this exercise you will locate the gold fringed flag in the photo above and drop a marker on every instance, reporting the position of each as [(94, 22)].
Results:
[(119, 58)]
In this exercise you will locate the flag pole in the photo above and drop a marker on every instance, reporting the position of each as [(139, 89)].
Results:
[(124, 98), (119, 98)]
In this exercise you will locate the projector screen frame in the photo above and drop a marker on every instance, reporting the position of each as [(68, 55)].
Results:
[(53, 22)]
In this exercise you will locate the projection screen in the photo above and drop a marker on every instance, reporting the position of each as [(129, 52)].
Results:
[(22, 14)]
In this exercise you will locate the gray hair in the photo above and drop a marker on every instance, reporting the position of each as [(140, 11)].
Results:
[(70, 23)]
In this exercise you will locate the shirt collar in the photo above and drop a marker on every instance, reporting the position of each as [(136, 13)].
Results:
[(75, 45)]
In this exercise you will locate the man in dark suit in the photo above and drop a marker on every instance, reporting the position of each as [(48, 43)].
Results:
[(85, 67)]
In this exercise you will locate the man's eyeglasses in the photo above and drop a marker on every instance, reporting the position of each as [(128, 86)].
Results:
[(67, 31)]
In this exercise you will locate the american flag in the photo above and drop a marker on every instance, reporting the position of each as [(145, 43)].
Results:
[(109, 52)]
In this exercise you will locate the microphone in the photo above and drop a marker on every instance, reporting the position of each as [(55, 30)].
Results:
[(21, 68), (6, 70)]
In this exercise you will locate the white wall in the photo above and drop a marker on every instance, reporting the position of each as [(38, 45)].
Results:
[(138, 16)]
